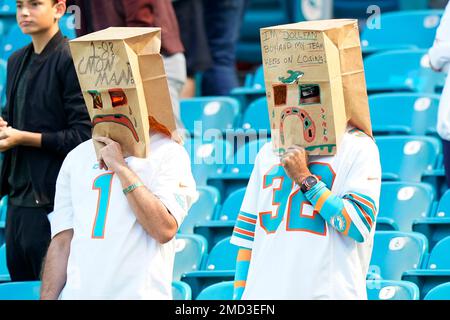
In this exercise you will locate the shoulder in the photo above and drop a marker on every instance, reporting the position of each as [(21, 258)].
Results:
[(357, 139), (83, 150), (17, 56), (165, 148)]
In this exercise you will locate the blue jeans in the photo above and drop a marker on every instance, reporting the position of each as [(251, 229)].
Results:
[(223, 21)]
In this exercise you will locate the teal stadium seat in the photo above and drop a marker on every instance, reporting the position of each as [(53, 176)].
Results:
[(395, 32), (436, 271), (404, 113), (392, 290), (401, 70), (191, 250), (4, 272), (222, 226), (207, 157), (436, 227), (395, 252), (67, 26), (256, 116), (220, 266), (181, 291), (254, 87), (441, 292), (8, 8), (2, 83), (206, 113), (401, 203), (407, 158), (218, 291), (238, 168), (3, 211), (203, 210), (20, 290), (13, 41)]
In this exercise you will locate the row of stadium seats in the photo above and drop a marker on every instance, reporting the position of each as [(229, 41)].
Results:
[(376, 290), (396, 256), (404, 113), (392, 33)]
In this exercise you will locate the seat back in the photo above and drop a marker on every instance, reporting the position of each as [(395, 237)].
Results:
[(202, 210), (401, 203), (395, 252), (222, 256), (407, 158), (232, 205), (190, 251), (392, 290), (218, 291)]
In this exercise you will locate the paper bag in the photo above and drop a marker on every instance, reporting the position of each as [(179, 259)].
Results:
[(315, 84), (123, 81)]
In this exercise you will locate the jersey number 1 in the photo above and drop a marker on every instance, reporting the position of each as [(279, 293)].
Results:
[(103, 184)]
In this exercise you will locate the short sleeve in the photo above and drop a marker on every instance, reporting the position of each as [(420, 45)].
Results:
[(174, 184), (61, 219)]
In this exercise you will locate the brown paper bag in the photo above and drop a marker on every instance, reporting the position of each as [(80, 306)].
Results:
[(315, 83), (123, 81)]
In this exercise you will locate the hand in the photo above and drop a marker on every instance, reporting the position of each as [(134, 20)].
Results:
[(110, 156), (3, 123), (9, 138), (295, 163)]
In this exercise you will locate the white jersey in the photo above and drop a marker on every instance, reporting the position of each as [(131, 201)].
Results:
[(111, 255), (296, 253)]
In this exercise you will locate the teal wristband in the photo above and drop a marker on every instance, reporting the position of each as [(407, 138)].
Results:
[(133, 187)]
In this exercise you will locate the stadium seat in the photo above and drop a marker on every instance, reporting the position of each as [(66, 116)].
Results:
[(253, 88), (20, 290), (256, 116), (404, 113), (206, 113), (440, 292), (401, 70), (392, 290), (2, 83), (395, 32), (238, 168), (436, 271), (222, 226), (67, 26), (401, 203), (259, 14), (191, 250), (8, 8), (3, 211), (181, 291), (407, 158), (437, 227), (13, 41), (207, 157), (395, 252), (220, 266), (201, 211), (4, 272), (357, 9), (218, 291)]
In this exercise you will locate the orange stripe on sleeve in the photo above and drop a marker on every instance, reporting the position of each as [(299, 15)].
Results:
[(322, 200), (244, 255), (240, 284)]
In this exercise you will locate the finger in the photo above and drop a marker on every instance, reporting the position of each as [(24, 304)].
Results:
[(104, 140)]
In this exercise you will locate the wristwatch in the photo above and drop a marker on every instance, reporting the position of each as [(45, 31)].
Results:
[(308, 183)]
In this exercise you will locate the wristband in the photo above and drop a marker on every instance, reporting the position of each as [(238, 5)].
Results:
[(132, 187)]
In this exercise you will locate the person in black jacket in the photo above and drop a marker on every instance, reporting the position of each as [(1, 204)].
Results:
[(44, 119)]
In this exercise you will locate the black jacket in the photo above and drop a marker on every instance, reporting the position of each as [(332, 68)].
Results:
[(55, 108)]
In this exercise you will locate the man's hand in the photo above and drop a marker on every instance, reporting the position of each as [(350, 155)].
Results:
[(295, 163), (9, 137), (110, 156)]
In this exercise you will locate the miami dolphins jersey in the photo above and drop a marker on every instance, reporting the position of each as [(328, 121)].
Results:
[(111, 255), (317, 245)]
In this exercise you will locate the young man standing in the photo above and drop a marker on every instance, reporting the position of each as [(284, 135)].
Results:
[(44, 119)]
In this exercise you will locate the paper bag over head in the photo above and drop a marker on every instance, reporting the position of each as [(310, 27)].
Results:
[(123, 81), (315, 84)]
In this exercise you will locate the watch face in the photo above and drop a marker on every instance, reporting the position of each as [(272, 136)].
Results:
[(311, 181)]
